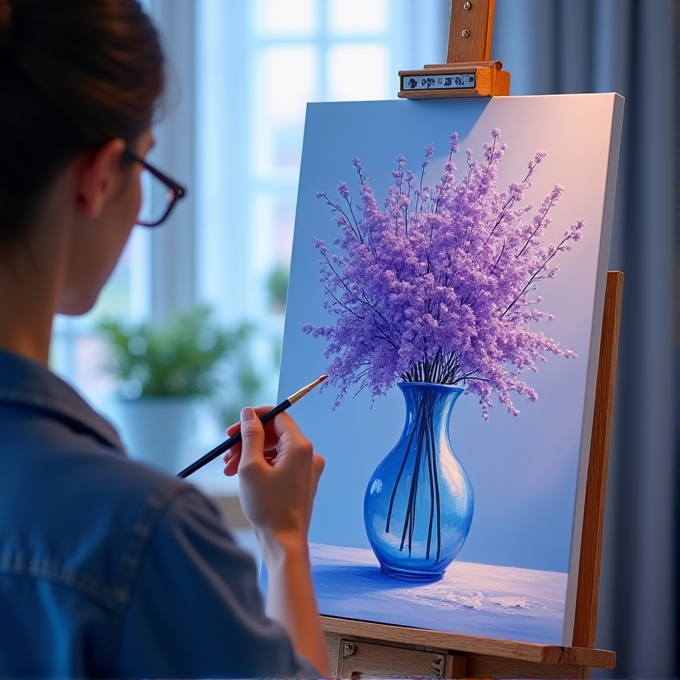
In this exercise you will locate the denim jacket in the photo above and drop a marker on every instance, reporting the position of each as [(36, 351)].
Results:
[(108, 568)]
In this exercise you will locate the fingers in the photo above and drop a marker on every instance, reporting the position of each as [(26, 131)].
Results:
[(284, 424), (259, 410), (232, 457), (231, 462), (252, 440), (318, 465), (281, 445)]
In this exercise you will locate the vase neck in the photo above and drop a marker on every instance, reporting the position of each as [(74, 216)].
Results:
[(430, 401)]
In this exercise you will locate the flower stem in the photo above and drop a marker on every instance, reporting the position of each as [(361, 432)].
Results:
[(401, 471), (425, 453)]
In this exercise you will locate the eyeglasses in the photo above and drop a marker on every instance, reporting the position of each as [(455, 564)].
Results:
[(159, 191)]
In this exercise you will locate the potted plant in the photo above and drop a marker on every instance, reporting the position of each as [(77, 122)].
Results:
[(162, 372)]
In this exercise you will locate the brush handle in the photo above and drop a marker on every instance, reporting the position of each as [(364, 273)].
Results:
[(225, 445)]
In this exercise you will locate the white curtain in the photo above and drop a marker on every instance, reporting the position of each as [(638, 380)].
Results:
[(627, 46), (172, 269)]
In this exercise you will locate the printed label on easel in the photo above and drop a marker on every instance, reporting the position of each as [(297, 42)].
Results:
[(457, 81)]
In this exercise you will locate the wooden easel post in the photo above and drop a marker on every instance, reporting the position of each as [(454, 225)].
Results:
[(365, 649), (468, 71), (587, 590)]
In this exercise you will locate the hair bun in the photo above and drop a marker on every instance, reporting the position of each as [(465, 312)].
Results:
[(5, 22)]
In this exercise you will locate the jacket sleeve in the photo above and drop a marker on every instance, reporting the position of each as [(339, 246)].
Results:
[(195, 609)]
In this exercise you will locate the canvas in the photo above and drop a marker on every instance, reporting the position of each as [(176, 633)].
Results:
[(514, 571)]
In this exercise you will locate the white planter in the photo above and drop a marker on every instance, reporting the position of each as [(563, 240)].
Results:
[(157, 430)]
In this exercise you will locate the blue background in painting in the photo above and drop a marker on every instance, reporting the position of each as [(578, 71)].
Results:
[(524, 470)]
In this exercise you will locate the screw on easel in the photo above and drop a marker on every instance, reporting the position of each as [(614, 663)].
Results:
[(467, 5), (465, 33), (348, 649), (438, 666)]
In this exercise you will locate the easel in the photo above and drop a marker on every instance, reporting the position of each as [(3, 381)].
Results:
[(468, 71), (364, 649)]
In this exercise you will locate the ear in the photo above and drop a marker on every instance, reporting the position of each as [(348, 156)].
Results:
[(96, 175)]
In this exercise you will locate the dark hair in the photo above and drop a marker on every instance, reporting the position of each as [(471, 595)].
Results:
[(73, 75)]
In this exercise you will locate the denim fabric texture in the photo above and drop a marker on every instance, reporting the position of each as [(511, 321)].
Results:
[(109, 568)]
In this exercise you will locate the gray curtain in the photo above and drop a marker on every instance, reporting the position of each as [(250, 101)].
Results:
[(627, 46)]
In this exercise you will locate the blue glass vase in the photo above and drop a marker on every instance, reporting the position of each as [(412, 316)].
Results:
[(419, 501)]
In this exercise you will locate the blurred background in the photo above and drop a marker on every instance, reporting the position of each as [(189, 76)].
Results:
[(231, 130)]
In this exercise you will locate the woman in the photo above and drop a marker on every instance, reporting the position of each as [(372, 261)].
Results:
[(108, 568)]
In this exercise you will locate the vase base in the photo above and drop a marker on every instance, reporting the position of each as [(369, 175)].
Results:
[(411, 575)]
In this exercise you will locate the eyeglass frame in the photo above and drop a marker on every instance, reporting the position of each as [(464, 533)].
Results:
[(177, 191)]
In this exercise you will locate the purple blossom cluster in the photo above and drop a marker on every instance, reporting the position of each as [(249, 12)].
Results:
[(440, 284)]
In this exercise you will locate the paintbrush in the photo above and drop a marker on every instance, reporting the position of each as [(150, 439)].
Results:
[(221, 448)]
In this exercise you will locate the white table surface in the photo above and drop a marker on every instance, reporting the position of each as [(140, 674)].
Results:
[(471, 599)]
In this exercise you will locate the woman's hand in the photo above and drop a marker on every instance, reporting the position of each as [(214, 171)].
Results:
[(278, 476)]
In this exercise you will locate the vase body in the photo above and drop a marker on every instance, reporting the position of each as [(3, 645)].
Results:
[(157, 430), (419, 501)]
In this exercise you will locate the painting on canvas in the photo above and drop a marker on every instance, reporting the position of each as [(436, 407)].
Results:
[(448, 270)]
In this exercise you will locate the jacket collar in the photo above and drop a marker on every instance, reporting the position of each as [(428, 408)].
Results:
[(25, 383)]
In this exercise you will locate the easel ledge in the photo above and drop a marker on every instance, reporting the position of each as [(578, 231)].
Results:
[(382, 650), (470, 656)]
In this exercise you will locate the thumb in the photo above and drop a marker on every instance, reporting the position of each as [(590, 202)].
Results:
[(252, 434)]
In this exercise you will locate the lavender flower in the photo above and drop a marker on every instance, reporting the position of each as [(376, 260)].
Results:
[(438, 286)]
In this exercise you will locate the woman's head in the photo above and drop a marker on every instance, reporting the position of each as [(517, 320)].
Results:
[(74, 74)]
